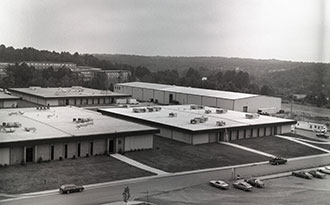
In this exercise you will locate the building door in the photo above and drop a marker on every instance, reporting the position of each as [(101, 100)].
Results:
[(29, 154), (245, 108), (52, 152), (66, 101), (171, 98), (111, 146), (79, 148)]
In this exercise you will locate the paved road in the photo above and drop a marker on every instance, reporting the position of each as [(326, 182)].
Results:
[(164, 184)]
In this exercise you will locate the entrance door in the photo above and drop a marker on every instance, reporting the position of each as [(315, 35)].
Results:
[(111, 146), (171, 98), (29, 154), (66, 101), (245, 108)]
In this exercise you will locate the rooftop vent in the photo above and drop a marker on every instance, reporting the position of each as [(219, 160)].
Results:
[(9, 129), (251, 115), (196, 107), (84, 124), (208, 111), (221, 111), (154, 109), (16, 113), (172, 114), (139, 110), (30, 129), (11, 124), (197, 120), (82, 120), (220, 123)]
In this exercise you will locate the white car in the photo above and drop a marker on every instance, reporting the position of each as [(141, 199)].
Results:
[(324, 170), (219, 184)]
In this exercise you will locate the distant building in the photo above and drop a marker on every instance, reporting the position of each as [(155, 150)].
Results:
[(196, 124), (32, 135), (87, 73), (299, 96), (75, 95), (7, 100), (171, 94), (113, 76), (46, 64)]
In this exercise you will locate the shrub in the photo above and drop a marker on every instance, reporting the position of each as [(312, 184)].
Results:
[(61, 158), (39, 160)]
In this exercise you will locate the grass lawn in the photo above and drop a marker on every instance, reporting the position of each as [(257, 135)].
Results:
[(174, 156), (30, 178), (278, 146)]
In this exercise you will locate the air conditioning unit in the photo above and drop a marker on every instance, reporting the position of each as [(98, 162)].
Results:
[(139, 110), (11, 124), (196, 107), (251, 115), (172, 114), (220, 123), (221, 111), (208, 111), (30, 129), (198, 120)]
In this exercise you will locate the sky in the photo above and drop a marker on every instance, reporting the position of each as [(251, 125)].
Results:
[(297, 30)]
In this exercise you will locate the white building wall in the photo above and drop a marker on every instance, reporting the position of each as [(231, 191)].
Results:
[(138, 142), (148, 94), (286, 129), (52, 102), (212, 137), (137, 93), (194, 99), (223, 103), (165, 132), (208, 101), (201, 138), (159, 96), (255, 103), (182, 137), (241, 134), (167, 97), (9, 103), (181, 98), (4, 156)]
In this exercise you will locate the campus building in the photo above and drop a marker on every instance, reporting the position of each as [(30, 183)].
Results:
[(76, 95), (7, 100), (30, 134), (196, 124), (171, 94)]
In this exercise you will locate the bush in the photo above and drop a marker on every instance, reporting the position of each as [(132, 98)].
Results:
[(39, 160), (61, 158)]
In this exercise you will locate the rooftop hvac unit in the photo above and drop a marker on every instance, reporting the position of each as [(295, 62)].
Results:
[(172, 114), (84, 124), (220, 123), (154, 109), (196, 107), (208, 111), (139, 110), (11, 124), (252, 115), (82, 120), (198, 120), (16, 113), (30, 129), (9, 130), (221, 111)]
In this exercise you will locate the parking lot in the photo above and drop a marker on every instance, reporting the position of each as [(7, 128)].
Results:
[(285, 190)]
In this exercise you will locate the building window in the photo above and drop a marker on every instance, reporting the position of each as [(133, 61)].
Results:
[(65, 151), (245, 108)]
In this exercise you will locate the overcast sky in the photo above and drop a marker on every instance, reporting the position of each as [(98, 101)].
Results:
[(296, 30)]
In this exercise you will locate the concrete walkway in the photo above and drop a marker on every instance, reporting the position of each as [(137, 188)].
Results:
[(138, 164), (248, 149), (303, 143), (311, 141)]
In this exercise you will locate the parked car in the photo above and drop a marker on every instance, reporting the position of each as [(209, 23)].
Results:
[(241, 184), (70, 188), (219, 184), (324, 170), (317, 174), (256, 182), (302, 174), (322, 135), (277, 161)]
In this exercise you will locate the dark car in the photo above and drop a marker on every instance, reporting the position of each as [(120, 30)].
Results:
[(302, 174), (256, 182), (277, 161), (322, 135), (70, 188), (317, 174), (241, 184)]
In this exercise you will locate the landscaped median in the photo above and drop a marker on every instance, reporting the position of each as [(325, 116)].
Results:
[(50, 175)]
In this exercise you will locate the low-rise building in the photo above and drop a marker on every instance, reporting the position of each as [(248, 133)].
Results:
[(7, 100), (31, 135), (76, 95), (197, 124)]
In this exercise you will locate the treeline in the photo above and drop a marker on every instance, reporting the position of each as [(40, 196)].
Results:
[(229, 80), (10, 54)]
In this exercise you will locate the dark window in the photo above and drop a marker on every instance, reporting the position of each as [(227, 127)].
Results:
[(98, 100), (81, 101), (111, 146), (79, 149), (91, 149), (251, 132), (66, 151), (245, 108), (52, 152), (29, 154), (265, 131), (66, 101), (75, 101), (258, 132)]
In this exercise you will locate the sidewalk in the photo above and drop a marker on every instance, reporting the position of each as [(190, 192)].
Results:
[(138, 164), (248, 149)]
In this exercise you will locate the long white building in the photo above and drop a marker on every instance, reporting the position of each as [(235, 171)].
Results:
[(171, 94)]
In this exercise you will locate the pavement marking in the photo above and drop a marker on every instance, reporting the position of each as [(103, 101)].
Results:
[(138, 164), (248, 149), (303, 143)]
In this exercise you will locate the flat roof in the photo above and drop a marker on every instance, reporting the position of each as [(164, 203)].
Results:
[(4, 96), (57, 122), (64, 92), (185, 114), (189, 90)]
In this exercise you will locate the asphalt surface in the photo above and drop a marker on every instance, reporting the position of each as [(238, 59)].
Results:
[(156, 186)]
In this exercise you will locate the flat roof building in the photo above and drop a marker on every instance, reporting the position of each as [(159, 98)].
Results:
[(195, 124), (30, 134), (7, 100), (171, 94), (75, 95)]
